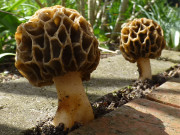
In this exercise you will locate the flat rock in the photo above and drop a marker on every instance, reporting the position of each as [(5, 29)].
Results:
[(173, 56), (114, 73), (167, 93), (22, 105), (138, 117)]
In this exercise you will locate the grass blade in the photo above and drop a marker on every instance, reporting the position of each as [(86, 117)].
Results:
[(144, 11), (15, 5), (6, 54)]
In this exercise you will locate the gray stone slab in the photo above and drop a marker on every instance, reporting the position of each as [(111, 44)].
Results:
[(22, 105), (114, 73), (173, 56)]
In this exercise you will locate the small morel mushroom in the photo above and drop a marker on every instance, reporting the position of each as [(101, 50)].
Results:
[(57, 45), (142, 39)]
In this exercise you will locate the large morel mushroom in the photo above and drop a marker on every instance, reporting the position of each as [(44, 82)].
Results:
[(57, 45), (142, 39)]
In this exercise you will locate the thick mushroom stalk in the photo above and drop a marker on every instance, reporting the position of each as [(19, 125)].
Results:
[(73, 104), (144, 68)]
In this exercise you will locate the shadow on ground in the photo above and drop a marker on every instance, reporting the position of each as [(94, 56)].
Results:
[(9, 130), (108, 82), (22, 87)]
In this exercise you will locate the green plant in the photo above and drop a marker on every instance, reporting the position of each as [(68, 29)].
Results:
[(167, 17), (8, 24), (14, 12), (175, 38)]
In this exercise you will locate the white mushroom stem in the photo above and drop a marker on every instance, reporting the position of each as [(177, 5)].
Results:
[(73, 103), (144, 68)]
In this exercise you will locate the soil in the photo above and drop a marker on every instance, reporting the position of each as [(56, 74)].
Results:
[(103, 105)]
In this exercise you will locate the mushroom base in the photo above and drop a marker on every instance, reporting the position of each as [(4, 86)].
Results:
[(73, 103), (144, 68)]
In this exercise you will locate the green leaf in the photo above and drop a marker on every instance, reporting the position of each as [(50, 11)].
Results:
[(2, 28), (49, 2), (9, 21), (9, 41), (6, 54), (29, 5), (15, 5)]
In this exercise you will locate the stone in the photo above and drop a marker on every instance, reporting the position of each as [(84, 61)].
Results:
[(173, 56), (167, 93)]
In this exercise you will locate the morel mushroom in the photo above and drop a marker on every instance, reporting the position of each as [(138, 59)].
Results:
[(57, 45), (142, 39)]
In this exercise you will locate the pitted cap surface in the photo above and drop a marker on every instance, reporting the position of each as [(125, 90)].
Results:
[(141, 38), (56, 40)]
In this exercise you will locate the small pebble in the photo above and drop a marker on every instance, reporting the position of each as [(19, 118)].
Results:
[(6, 72)]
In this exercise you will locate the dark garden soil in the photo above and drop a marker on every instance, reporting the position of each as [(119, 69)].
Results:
[(103, 105)]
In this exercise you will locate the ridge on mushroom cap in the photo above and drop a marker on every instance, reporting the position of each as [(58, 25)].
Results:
[(56, 40), (141, 38)]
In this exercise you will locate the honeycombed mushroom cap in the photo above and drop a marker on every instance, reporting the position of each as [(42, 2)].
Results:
[(56, 40), (141, 38)]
